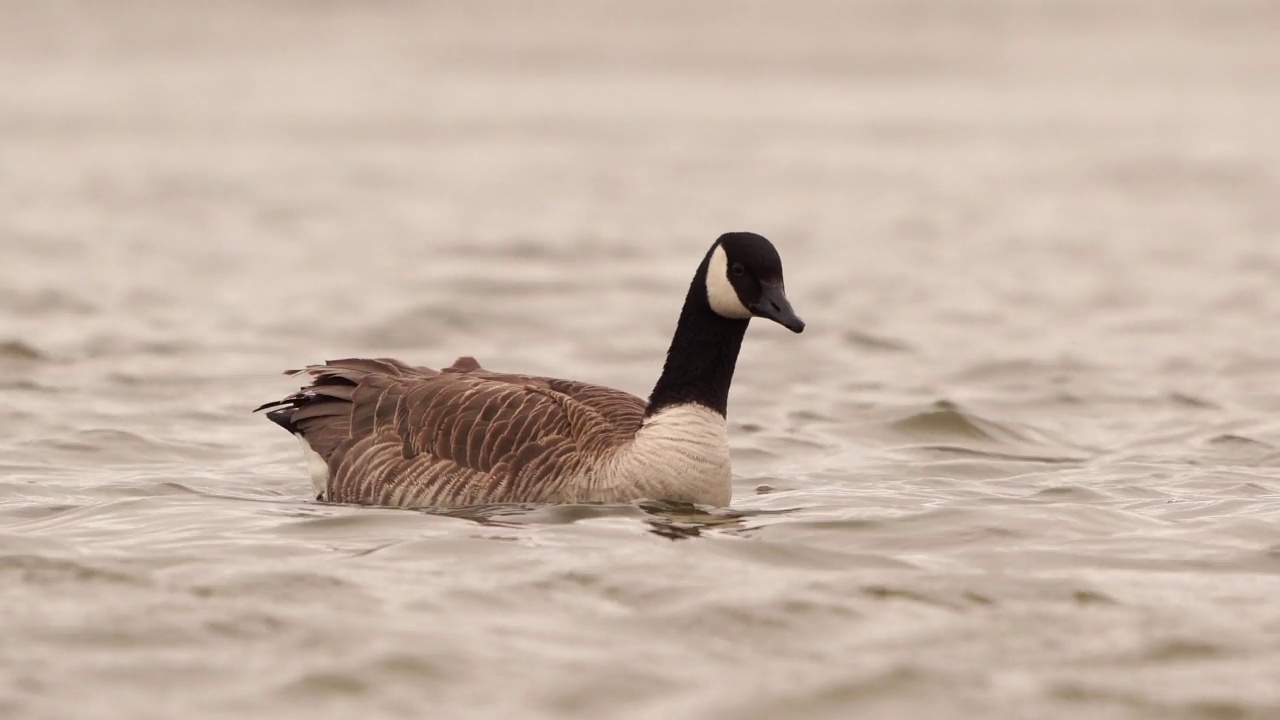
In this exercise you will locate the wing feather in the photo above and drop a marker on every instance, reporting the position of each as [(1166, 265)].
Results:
[(400, 435)]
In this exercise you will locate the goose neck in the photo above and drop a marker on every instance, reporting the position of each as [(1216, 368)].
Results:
[(702, 356)]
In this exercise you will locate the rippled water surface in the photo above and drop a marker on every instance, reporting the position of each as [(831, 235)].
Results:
[(1025, 461)]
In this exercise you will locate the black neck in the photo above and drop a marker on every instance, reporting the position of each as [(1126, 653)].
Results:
[(702, 355)]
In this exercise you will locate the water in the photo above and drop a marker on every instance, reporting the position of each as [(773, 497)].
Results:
[(1024, 462)]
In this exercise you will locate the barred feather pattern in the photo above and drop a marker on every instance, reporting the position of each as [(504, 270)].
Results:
[(397, 435)]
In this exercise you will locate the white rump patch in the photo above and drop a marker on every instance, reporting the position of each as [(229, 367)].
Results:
[(316, 466), (720, 293)]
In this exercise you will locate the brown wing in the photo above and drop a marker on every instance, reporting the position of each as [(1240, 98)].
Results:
[(615, 406), (397, 435)]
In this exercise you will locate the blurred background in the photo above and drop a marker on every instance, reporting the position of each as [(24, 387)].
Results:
[(1024, 460)]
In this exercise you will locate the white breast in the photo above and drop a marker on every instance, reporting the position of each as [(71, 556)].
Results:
[(680, 453)]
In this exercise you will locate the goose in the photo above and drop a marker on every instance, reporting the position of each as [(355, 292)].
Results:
[(380, 432)]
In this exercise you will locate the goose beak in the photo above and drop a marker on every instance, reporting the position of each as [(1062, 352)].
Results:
[(773, 305)]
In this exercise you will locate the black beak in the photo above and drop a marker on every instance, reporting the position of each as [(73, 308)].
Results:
[(773, 305)]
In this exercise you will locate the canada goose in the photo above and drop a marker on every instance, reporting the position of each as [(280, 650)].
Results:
[(380, 432)]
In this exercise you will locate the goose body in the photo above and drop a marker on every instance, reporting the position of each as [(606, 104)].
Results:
[(382, 432)]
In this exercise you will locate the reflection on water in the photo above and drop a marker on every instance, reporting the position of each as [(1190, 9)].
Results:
[(673, 520)]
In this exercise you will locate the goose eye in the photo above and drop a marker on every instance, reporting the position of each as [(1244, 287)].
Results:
[(737, 269)]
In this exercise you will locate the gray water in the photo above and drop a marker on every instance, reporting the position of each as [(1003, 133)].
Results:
[(1023, 463)]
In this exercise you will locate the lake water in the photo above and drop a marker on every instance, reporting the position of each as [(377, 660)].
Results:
[(1024, 462)]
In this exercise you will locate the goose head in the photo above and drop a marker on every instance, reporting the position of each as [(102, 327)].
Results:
[(744, 280)]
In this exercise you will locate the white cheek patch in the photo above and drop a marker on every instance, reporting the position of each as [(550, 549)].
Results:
[(720, 293)]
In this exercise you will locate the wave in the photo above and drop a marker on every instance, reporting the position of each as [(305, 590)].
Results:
[(948, 429), (20, 350)]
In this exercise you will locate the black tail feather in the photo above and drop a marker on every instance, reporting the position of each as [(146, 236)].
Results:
[(273, 403), (284, 418), (285, 408)]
